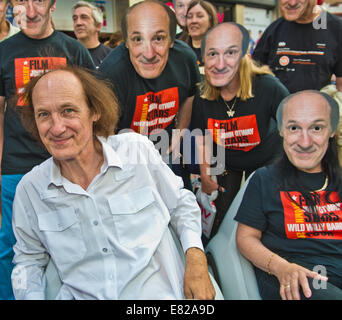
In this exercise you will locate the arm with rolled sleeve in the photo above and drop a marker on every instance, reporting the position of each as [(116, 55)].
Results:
[(186, 221), (31, 258)]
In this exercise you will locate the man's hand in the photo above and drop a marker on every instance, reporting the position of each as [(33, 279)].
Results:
[(197, 283)]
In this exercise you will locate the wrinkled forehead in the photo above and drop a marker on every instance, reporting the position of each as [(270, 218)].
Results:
[(56, 81), (306, 108), (226, 35), (148, 18)]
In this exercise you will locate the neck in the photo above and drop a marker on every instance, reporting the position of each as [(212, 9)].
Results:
[(4, 29), (196, 42), (90, 43), (230, 90), (83, 171)]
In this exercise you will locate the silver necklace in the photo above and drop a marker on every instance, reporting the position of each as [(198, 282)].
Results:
[(230, 110)]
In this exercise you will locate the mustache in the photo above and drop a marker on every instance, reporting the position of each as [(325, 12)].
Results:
[(223, 70), (289, 6), (149, 60), (307, 149), (35, 19)]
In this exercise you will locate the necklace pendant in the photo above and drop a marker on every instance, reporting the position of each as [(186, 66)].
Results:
[(230, 113)]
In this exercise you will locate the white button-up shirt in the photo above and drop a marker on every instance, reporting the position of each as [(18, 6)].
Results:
[(112, 240)]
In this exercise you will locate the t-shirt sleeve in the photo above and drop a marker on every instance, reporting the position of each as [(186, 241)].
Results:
[(251, 211)]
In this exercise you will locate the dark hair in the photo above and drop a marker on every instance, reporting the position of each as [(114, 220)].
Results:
[(170, 13), (98, 94), (244, 32)]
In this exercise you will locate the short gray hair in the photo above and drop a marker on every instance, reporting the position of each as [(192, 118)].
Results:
[(96, 12), (334, 109)]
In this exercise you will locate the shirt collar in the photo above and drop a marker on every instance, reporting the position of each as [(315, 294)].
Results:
[(111, 159)]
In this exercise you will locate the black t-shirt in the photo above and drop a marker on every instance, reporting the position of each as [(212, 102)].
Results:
[(301, 56), (151, 102), (288, 227), (250, 138), (21, 59), (99, 53)]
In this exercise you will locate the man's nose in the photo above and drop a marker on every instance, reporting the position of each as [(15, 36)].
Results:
[(220, 62), (149, 52), (57, 125), (292, 2), (30, 10), (305, 140)]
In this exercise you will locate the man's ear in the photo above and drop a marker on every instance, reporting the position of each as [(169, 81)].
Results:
[(53, 7), (332, 134), (98, 27)]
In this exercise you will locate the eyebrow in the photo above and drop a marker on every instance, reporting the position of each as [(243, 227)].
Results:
[(225, 49), (315, 121), (157, 32)]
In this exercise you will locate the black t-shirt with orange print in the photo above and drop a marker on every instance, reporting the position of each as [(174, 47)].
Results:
[(250, 138), (21, 59), (149, 106), (289, 226)]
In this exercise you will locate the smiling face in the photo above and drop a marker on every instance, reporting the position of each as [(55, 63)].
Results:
[(84, 24), (63, 118), (197, 21), (148, 39), (300, 11), (306, 131), (35, 17), (181, 7), (222, 55)]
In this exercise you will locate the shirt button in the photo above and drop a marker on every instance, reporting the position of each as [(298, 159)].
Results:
[(95, 222), (104, 250)]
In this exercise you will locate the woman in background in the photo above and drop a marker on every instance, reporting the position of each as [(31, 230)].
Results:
[(200, 17)]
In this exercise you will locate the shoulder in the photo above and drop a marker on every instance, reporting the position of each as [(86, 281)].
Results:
[(265, 174), (180, 50), (267, 80), (334, 20), (271, 83), (105, 48), (62, 37), (38, 176), (274, 26), (15, 40), (118, 57)]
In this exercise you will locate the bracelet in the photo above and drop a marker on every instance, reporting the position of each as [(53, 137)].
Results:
[(269, 262)]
